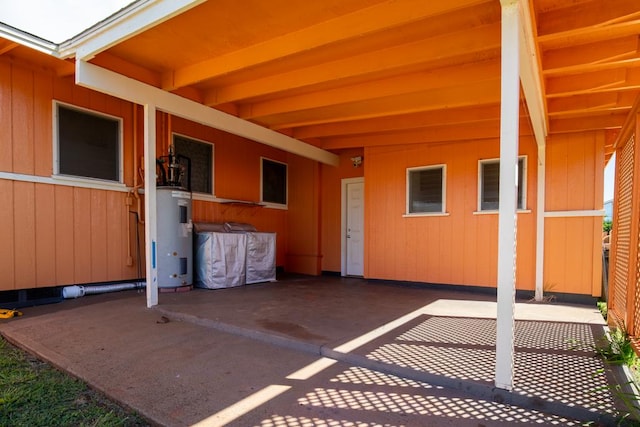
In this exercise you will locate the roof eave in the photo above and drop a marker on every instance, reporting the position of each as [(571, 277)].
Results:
[(27, 39), (122, 25)]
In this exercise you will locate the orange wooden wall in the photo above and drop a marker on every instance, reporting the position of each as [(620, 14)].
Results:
[(237, 177), (53, 235), (56, 235), (49, 234), (573, 245), (460, 248)]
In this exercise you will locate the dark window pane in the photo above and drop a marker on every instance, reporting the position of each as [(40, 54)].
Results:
[(201, 155), (521, 189), (88, 145), (490, 186), (274, 182), (425, 190)]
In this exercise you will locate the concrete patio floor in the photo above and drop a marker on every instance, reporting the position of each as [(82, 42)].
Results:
[(319, 351)]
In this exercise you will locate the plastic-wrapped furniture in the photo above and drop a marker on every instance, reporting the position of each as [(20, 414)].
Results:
[(261, 257), (220, 260)]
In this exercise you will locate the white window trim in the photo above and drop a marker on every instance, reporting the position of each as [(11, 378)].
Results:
[(99, 183), (271, 204), (443, 212), (202, 196), (524, 186)]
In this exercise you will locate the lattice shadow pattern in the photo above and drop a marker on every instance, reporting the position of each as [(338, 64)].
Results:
[(370, 394), (553, 361)]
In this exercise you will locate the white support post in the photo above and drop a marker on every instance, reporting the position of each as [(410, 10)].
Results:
[(542, 182), (507, 212), (150, 208)]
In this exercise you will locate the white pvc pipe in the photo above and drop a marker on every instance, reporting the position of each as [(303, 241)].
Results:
[(80, 291)]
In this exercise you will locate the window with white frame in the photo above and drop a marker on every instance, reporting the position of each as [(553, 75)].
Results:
[(426, 189), (87, 144), (489, 184), (200, 154), (273, 182)]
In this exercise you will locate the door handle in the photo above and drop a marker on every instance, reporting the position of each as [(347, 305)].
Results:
[(348, 236)]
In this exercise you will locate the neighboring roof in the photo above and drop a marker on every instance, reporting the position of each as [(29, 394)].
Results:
[(352, 73)]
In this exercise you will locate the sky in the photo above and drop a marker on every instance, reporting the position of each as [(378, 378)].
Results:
[(57, 20), (60, 20), (609, 173)]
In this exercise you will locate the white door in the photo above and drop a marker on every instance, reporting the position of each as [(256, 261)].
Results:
[(354, 232)]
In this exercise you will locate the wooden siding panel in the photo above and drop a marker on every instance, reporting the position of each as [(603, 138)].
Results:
[(83, 237), (42, 128), (574, 172), (303, 254), (22, 121), (99, 223), (25, 235), (115, 230), (45, 232), (459, 248), (65, 235), (7, 235), (557, 177), (570, 255), (6, 118)]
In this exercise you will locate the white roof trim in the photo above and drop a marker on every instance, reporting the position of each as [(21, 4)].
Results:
[(111, 83), (530, 75), (26, 39), (126, 23)]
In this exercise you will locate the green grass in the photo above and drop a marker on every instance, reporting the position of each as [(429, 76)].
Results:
[(32, 393)]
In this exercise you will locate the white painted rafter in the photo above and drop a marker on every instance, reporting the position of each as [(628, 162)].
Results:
[(114, 84), (530, 74)]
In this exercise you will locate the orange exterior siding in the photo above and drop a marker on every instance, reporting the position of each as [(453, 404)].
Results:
[(460, 248), (237, 177), (55, 235), (573, 249), (58, 235), (303, 250)]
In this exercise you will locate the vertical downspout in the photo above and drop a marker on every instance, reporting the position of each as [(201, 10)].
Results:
[(507, 211), (540, 209), (150, 223)]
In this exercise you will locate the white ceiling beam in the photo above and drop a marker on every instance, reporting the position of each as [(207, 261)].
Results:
[(136, 18), (530, 75), (114, 84)]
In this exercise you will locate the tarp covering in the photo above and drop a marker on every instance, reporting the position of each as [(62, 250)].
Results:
[(261, 257), (233, 227), (220, 260)]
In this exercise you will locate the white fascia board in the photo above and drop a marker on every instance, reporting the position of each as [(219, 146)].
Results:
[(119, 86), (530, 75), (26, 39), (132, 20)]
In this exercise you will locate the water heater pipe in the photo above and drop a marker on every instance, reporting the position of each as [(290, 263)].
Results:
[(78, 291)]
